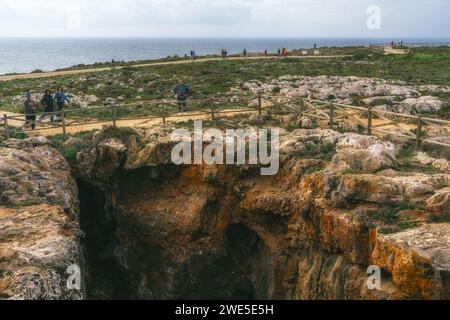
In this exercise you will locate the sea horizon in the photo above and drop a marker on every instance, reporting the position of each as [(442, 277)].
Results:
[(28, 54)]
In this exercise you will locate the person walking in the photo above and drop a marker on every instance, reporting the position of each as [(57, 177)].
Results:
[(265, 53), (244, 53), (61, 98), (30, 111), (279, 53), (182, 93), (49, 105)]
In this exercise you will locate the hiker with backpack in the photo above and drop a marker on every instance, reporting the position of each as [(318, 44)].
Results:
[(30, 111), (49, 105), (182, 93), (61, 98)]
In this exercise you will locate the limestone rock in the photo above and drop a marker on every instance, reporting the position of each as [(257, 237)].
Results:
[(255, 119), (418, 259), (393, 96), (421, 105), (387, 187), (439, 164), (307, 140), (439, 204), (367, 153), (40, 236), (423, 158)]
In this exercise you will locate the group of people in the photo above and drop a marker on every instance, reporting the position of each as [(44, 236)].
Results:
[(48, 101), (47, 104), (282, 52), (396, 44)]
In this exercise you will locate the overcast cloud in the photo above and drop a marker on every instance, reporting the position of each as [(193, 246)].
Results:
[(221, 18)]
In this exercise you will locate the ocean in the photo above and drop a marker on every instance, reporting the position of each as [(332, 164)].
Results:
[(46, 54)]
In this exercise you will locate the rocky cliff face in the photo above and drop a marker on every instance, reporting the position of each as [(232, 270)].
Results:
[(39, 222), (153, 230), (338, 205)]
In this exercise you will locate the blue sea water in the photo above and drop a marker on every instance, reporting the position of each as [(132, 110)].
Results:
[(26, 55)]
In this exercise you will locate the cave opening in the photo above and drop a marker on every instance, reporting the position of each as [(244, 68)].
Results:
[(104, 277), (249, 262), (239, 267), (241, 271)]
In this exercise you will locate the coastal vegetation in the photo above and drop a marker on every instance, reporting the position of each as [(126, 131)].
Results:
[(128, 85)]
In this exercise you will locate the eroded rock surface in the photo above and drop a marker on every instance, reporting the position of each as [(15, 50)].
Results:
[(390, 95), (338, 205), (309, 232), (40, 235)]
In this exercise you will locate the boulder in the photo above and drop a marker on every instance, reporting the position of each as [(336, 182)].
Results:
[(418, 259), (439, 203), (426, 104), (387, 187), (367, 153)]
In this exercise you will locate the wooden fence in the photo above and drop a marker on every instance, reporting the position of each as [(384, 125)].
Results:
[(369, 120)]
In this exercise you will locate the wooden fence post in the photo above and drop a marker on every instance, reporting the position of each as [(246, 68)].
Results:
[(331, 115), (114, 115), (5, 120), (369, 121), (419, 133), (63, 120), (259, 104)]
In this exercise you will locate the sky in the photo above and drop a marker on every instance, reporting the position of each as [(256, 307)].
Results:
[(225, 18)]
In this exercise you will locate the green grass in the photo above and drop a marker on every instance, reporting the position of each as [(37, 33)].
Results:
[(388, 213), (406, 163), (216, 78), (70, 154), (322, 151)]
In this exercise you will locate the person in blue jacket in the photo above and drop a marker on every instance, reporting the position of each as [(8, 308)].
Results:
[(61, 98), (182, 93), (48, 103)]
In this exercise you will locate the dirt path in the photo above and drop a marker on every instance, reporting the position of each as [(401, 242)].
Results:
[(74, 72), (390, 50), (45, 129)]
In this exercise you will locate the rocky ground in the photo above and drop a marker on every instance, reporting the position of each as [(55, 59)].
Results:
[(394, 96), (340, 203), (39, 222)]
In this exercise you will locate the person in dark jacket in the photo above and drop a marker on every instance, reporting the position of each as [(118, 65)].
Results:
[(49, 105), (30, 111), (61, 98), (182, 93)]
